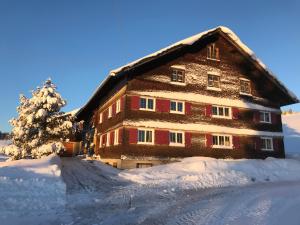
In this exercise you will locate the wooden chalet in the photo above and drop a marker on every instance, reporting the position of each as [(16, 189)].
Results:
[(207, 95)]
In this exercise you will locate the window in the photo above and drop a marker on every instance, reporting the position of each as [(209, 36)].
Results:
[(176, 138), (145, 136), (222, 141), (176, 107), (177, 76), (265, 117), (266, 143), (101, 141), (118, 106), (101, 118), (213, 81), (221, 112), (245, 87), (107, 139), (147, 104), (109, 111), (116, 137), (213, 52)]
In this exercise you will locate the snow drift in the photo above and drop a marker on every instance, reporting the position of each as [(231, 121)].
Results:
[(203, 172), (30, 187)]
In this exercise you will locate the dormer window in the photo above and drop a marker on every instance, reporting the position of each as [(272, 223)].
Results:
[(245, 87), (178, 75), (213, 52)]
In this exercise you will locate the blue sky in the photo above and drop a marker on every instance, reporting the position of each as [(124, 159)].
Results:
[(76, 43)]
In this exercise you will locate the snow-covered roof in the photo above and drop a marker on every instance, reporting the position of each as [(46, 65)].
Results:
[(188, 42)]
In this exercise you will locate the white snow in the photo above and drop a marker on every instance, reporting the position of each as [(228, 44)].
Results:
[(30, 189), (194, 97), (291, 130), (203, 172), (200, 127)]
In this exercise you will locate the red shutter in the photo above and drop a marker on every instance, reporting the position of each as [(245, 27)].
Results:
[(188, 139), (162, 137), (256, 116), (112, 138), (257, 143), (208, 110), (277, 144), (120, 135), (236, 142), (235, 113), (104, 140), (135, 102), (209, 140), (162, 105), (113, 109), (188, 107), (274, 118), (122, 103), (133, 136)]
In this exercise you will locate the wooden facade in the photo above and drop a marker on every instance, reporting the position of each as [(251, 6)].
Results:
[(184, 103)]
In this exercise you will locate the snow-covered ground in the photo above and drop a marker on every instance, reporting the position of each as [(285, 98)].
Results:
[(291, 130), (31, 191)]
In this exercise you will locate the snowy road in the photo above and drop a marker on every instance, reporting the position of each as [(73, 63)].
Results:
[(96, 198)]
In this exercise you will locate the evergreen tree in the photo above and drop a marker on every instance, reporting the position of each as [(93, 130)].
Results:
[(40, 123)]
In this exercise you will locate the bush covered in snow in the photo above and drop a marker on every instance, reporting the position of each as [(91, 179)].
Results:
[(40, 123)]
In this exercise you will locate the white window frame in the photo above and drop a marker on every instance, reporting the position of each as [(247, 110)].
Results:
[(272, 144), (109, 111), (220, 116), (176, 111), (223, 146), (213, 50), (108, 139), (217, 74), (176, 143), (118, 106), (176, 70), (116, 137), (245, 80), (144, 142), (101, 118), (264, 117), (147, 105)]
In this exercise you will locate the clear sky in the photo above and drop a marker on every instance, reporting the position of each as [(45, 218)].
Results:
[(77, 43)]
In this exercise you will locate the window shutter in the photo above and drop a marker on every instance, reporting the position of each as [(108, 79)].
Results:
[(120, 135), (208, 110), (277, 144), (236, 142), (235, 113), (162, 105), (104, 140), (161, 137), (188, 139), (122, 103), (113, 109), (209, 140), (274, 118), (112, 138), (188, 107), (256, 116), (133, 136), (135, 102), (257, 143)]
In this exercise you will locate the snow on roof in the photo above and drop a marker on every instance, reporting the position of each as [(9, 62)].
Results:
[(191, 40)]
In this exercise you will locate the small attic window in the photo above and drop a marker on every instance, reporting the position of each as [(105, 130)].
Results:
[(245, 86), (213, 52), (177, 74)]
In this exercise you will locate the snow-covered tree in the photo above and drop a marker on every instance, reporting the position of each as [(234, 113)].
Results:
[(40, 122)]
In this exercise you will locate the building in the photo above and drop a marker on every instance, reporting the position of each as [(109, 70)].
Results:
[(207, 95)]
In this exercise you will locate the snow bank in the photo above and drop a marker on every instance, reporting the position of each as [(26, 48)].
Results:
[(29, 188), (203, 172), (291, 131)]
